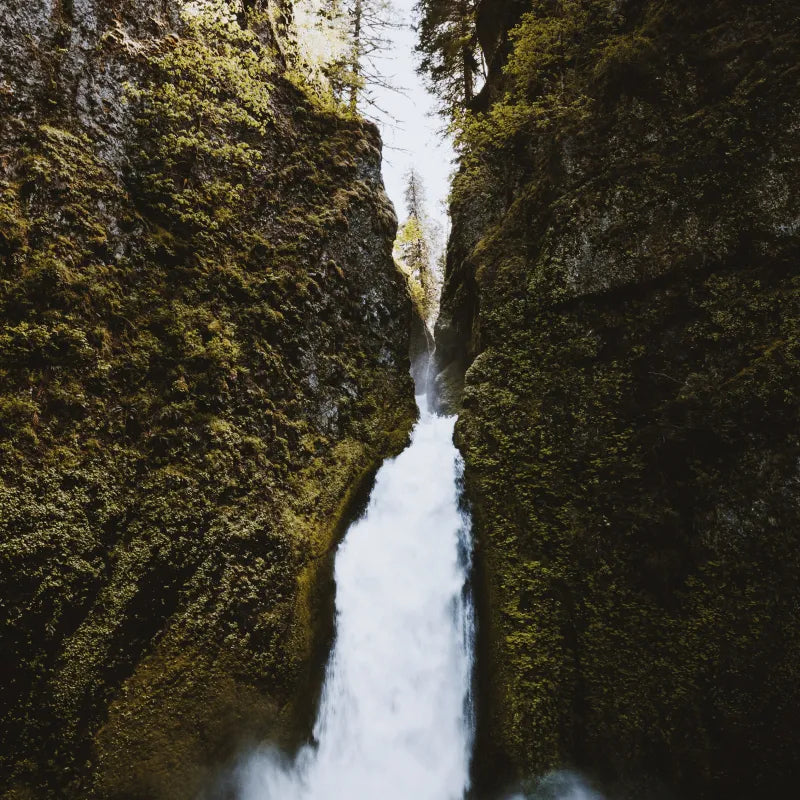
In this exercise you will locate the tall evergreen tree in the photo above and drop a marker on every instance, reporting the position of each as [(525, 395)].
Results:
[(414, 194), (448, 46), (366, 23), (416, 246)]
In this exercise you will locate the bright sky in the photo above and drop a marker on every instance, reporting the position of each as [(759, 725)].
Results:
[(416, 137)]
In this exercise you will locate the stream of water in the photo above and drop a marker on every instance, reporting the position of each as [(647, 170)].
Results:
[(395, 720)]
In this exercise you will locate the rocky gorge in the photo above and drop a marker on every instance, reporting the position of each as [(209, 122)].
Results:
[(204, 359)]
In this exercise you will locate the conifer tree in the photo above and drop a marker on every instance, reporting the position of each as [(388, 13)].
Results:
[(363, 25), (448, 46), (416, 246)]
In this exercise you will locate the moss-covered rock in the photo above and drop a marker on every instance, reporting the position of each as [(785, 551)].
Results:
[(622, 282), (203, 355)]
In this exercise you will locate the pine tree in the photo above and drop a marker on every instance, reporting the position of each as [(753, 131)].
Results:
[(365, 24), (448, 45), (415, 247), (414, 194)]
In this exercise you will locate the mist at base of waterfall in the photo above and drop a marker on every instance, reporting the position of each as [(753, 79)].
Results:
[(561, 785)]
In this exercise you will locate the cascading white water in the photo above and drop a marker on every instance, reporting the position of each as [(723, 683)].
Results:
[(395, 719)]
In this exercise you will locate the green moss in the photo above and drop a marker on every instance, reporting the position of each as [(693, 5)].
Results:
[(188, 390), (630, 463), (621, 276)]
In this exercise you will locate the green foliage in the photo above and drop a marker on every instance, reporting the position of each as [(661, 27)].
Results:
[(553, 49), (413, 260), (448, 47), (336, 50)]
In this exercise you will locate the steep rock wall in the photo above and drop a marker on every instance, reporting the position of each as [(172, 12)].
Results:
[(622, 284), (203, 355)]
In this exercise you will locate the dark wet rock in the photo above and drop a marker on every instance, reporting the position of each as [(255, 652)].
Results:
[(622, 288)]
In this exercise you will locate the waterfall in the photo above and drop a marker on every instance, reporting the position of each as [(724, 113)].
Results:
[(395, 720)]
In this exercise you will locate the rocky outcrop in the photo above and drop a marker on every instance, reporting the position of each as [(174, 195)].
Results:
[(203, 356), (622, 287)]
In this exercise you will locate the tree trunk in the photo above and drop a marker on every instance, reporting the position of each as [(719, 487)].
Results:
[(467, 56), (356, 62)]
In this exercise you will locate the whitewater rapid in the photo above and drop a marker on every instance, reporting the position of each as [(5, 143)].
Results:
[(395, 719)]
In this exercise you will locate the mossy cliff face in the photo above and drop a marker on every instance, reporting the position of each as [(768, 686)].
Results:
[(203, 353), (623, 286)]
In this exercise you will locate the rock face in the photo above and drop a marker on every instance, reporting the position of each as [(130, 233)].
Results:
[(203, 355), (622, 284)]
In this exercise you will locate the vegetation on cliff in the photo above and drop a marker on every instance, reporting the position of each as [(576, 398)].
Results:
[(203, 354), (622, 284)]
